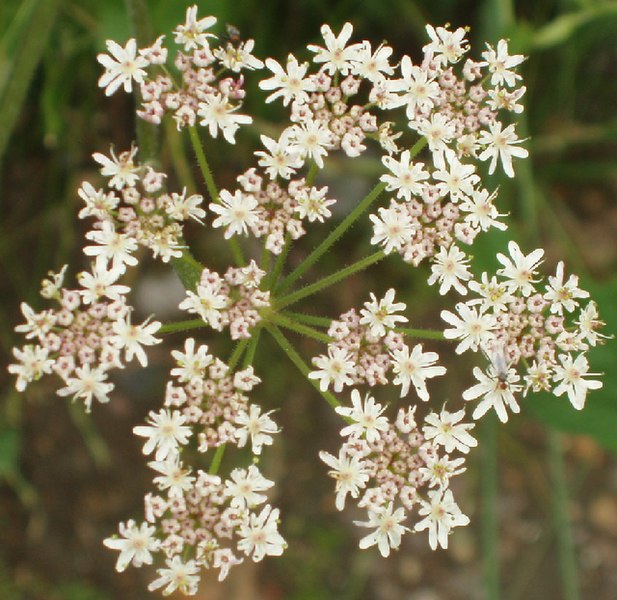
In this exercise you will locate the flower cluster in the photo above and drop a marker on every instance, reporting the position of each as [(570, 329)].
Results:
[(88, 334), (366, 346), (202, 93), (442, 202), (135, 210), (230, 301), (527, 328), (270, 210), (394, 468), (198, 520)]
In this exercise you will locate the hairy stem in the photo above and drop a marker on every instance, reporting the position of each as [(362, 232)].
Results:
[(322, 284), (309, 319), (296, 359), (182, 326), (284, 321), (211, 187)]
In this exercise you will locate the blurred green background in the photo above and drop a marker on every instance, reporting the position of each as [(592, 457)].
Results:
[(66, 480)]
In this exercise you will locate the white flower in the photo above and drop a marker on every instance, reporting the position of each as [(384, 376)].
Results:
[(34, 362), (98, 204), (420, 92), (191, 34), (37, 324), (520, 269), (182, 208), (392, 228), (438, 130), (122, 67), (501, 145), (350, 473), (311, 139), (136, 545), (256, 426), (449, 268), (239, 56), (367, 418), (336, 56), (88, 384), (313, 204), (192, 364), (415, 368), (481, 212), (438, 470), (165, 431), (208, 303), (122, 170), (406, 177), (500, 64), (472, 326), (280, 160), (217, 112), (177, 576), (445, 46), (290, 84), (131, 338), (236, 213), (496, 391), (112, 246), (260, 536), (243, 485), (494, 295), (380, 315), (336, 368), (570, 374), (172, 476), (372, 66), (562, 295), (441, 514), (101, 282), (388, 529), (455, 178), (447, 430), (588, 322)]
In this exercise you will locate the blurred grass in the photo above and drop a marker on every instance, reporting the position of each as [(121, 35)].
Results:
[(52, 117)]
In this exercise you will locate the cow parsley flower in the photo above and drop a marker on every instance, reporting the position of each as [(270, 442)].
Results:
[(441, 514), (570, 374), (367, 417), (121, 68), (136, 544), (388, 532)]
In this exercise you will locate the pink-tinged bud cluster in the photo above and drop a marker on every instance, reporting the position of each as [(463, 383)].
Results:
[(271, 210), (210, 90), (365, 347), (85, 336), (198, 520), (534, 332), (391, 469), (233, 300), (135, 210)]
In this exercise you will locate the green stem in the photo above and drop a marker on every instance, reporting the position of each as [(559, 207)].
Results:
[(567, 553), (147, 133), (313, 169), (182, 326), (234, 359), (249, 357), (284, 321), (322, 284), (280, 262), (216, 460), (309, 319), (423, 334), (296, 359), (490, 529), (188, 269), (334, 235), (204, 167)]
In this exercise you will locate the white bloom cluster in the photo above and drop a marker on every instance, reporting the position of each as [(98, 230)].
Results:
[(201, 95), (394, 468), (366, 346), (197, 520), (135, 210), (535, 334), (230, 301)]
